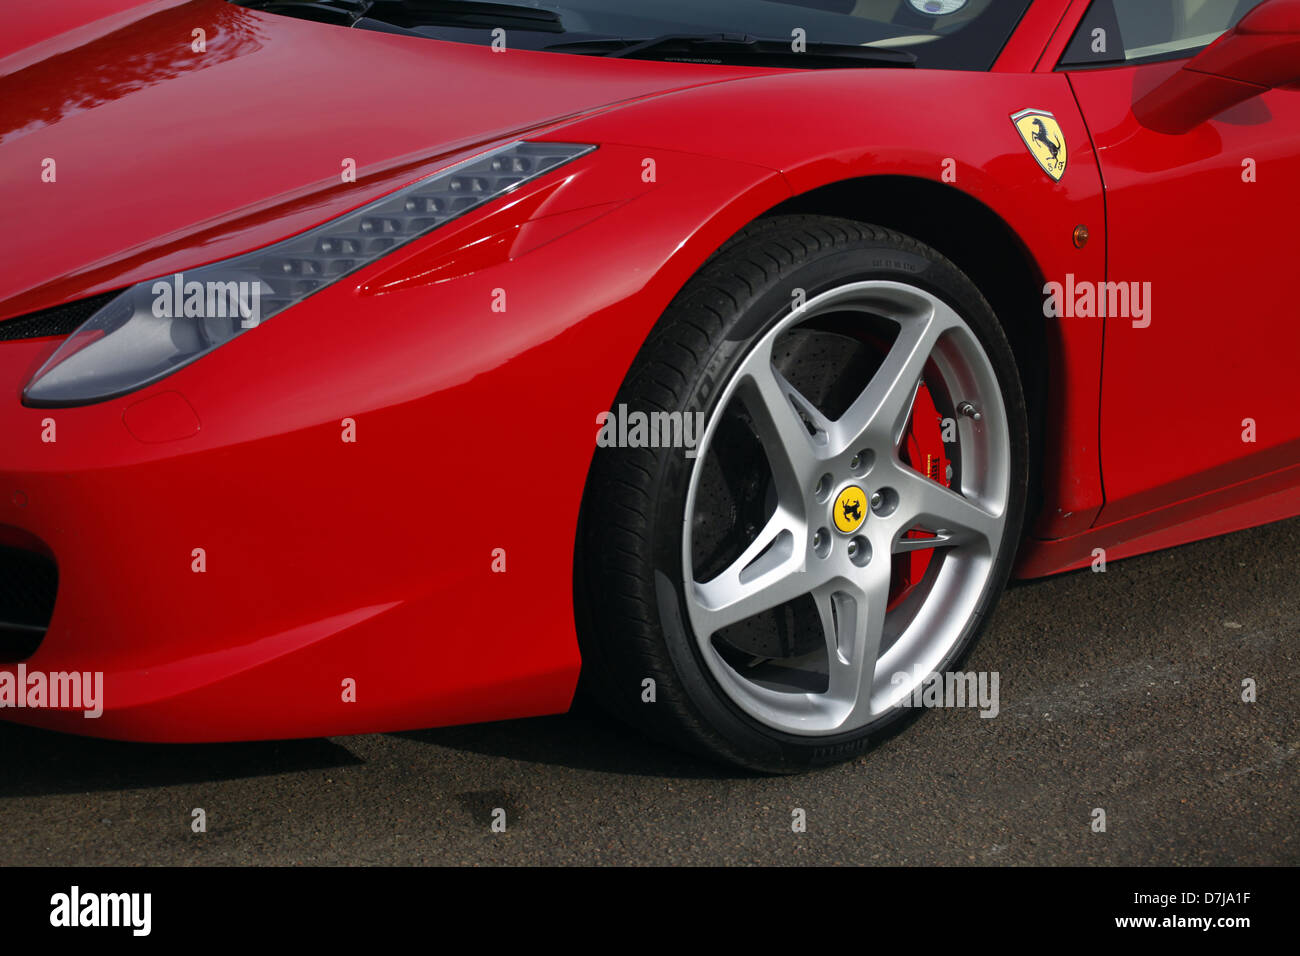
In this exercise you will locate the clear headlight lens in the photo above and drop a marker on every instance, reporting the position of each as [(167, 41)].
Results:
[(158, 326)]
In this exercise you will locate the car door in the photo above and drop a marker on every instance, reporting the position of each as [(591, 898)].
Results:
[(1200, 371)]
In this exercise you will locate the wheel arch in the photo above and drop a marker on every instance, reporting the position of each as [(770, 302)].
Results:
[(984, 246)]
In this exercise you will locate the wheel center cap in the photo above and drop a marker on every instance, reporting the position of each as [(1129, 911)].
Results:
[(850, 509)]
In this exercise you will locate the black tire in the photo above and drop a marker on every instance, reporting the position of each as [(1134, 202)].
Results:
[(628, 573)]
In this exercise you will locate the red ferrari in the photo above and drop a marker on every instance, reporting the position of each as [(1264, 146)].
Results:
[(379, 364)]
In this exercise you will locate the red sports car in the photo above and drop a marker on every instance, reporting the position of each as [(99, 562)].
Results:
[(379, 364)]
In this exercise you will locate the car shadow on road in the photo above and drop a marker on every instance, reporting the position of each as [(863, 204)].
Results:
[(585, 738), (43, 763)]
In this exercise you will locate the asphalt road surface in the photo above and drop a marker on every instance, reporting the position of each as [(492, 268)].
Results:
[(1120, 691)]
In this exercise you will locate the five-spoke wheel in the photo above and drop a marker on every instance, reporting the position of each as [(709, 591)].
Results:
[(845, 523)]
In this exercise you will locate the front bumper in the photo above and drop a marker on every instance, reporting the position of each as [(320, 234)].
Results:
[(351, 587)]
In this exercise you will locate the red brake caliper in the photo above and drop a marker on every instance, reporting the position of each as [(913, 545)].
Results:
[(924, 450)]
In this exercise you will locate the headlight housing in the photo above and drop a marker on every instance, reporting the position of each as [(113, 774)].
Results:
[(156, 327)]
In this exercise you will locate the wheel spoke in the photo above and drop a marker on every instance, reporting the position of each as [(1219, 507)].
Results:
[(853, 621), (880, 413), (782, 419), (767, 574), (956, 519)]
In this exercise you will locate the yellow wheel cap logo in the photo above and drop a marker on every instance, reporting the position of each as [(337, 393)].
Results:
[(1042, 134), (850, 509)]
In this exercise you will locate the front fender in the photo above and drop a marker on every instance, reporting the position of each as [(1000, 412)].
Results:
[(820, 127)]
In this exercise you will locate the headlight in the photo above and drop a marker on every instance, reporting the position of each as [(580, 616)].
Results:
[(158, 326)]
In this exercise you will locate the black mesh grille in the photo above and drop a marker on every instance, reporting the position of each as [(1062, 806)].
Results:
[(28, 583), (60, 320)]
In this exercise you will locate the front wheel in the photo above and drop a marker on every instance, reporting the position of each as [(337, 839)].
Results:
[(839, 516)]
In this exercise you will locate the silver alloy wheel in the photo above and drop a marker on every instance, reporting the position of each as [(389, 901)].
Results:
[(800, 551)]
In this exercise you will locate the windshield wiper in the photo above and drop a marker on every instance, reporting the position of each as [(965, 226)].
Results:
[(408, 14), (344, 12), (737, 48), (465, 13)]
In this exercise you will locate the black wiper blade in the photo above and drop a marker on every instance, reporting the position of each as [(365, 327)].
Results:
[(465, 13), (344, 12), (738, 48)]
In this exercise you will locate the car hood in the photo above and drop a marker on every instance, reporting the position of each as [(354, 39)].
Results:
[(137, 139)]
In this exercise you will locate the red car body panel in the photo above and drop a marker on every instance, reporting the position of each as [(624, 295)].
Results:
[(1178, 393), (1198, 349), (372, 561)]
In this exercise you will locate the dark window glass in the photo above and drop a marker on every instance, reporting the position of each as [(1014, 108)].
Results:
[(1125, 31)]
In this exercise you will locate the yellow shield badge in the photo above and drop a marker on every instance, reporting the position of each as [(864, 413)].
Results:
[(1042, 134)]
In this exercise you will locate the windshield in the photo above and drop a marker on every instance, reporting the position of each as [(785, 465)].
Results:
[(940, 34)]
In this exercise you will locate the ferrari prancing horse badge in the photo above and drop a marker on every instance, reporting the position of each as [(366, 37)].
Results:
[(1042, 134)]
